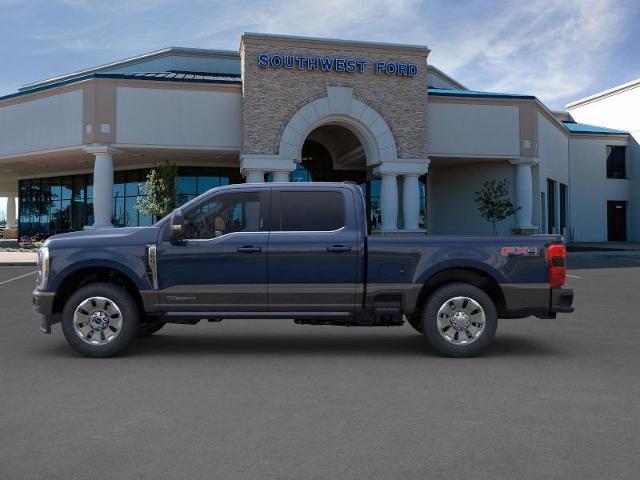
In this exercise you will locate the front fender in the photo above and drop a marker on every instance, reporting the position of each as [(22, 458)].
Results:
[(64, 264)]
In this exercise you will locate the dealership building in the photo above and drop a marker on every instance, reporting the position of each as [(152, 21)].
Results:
[(75, 149)]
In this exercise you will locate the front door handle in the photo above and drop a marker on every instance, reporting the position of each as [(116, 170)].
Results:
[(339, 248), (249, 249)]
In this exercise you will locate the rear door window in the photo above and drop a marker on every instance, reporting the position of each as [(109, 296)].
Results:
[(311, 211)]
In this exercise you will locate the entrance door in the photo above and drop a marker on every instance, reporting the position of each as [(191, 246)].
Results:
[(617, 221), (222, 263)]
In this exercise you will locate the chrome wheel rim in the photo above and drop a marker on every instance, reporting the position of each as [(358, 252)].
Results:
[(97, 321), (461, 320)]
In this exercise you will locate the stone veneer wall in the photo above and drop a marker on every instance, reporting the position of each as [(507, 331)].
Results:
[(271, 96)]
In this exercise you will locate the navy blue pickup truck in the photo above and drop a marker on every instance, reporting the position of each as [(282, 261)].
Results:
[(298, 251)]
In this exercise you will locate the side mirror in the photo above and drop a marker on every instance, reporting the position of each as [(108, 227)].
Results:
[(176, 226)]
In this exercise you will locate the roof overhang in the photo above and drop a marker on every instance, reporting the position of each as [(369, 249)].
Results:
[(145, 57), (605, 93)]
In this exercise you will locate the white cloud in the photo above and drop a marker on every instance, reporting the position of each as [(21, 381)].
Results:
[(553, 49)]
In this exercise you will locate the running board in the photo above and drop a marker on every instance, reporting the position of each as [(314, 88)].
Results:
[(194, 317)]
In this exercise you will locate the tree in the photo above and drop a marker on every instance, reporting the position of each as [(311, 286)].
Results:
[(159, 191), (494, 203)]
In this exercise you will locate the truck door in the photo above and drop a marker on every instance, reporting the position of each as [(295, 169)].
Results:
[(313, 250), (222, 263)]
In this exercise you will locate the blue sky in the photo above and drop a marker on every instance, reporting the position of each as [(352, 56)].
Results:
[(559, 50)]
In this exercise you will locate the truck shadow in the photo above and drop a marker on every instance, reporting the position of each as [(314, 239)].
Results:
[(409, 345)]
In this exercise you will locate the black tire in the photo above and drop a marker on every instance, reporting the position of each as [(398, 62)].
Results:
[(430, 320), (416, 322), (128, 326), (149, 328)]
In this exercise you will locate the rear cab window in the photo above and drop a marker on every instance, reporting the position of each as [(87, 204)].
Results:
[(311, 211)]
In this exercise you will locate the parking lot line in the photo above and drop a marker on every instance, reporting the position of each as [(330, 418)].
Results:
[(573, 276), (17, 278)]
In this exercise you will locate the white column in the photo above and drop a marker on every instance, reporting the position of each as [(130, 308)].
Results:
[(410, 201), (102, 185), (254, 176), (524, 192), (11, 212), (389, 202), (280, 176)]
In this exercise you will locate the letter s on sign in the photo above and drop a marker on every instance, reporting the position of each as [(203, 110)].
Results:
[(263, 60)]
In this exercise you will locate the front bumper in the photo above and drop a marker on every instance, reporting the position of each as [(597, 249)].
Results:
[(43, 304)]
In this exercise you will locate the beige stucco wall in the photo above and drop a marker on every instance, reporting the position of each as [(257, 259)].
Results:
[(272, 96)]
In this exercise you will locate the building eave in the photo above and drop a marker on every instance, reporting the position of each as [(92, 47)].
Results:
[(603, 94), (116, 76)]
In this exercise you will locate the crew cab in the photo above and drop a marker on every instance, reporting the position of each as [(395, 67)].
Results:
[(297, 251)]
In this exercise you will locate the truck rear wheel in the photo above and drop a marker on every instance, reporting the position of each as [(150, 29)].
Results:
[(459, 320), (100, 320)]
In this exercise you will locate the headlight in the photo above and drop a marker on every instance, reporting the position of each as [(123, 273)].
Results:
[(43, 267)]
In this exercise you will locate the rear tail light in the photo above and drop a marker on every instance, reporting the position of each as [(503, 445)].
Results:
[(556, 260)]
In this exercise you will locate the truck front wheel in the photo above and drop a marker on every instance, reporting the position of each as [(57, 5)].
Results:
[(459, 320), (100, 320)]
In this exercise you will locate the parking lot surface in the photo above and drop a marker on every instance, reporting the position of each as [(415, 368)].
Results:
[(273, 400)]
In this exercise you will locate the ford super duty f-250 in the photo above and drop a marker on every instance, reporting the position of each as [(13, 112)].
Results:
[(298, 251)]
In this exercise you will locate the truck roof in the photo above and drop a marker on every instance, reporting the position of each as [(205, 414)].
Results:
[(291, 185)]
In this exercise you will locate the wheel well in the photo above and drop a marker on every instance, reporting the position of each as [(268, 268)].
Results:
[(86, 276), (465, 275)]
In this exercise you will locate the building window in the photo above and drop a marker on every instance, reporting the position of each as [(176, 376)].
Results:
[(61, 204), (616, 161), (564, 189), (551, 206)]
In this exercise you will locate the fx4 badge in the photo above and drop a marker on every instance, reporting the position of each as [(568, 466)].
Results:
[(522, 251)]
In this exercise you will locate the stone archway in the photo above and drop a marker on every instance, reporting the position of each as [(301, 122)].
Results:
[(340, 108)]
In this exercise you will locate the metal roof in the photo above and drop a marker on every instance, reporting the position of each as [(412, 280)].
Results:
[(445, 92), (133, 60), (176, 75), (575, 127), (186, 77)]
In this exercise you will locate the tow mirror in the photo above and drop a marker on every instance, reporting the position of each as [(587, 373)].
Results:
[(176, 226)]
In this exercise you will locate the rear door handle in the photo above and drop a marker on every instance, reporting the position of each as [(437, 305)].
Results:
[(249, 249), (339, 248)]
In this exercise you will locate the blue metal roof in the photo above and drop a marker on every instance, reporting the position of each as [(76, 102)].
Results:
[(188, 77), (575, 127), (445, 92)]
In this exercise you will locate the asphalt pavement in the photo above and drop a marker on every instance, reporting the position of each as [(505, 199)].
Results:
[(272, 400)]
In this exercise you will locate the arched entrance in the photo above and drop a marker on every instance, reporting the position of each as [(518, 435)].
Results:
[(333, 153), (340, 138)]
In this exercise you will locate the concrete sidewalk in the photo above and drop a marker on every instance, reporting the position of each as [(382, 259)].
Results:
[(22, 259)]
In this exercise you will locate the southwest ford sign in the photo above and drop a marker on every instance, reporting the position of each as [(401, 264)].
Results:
[(334, 64)]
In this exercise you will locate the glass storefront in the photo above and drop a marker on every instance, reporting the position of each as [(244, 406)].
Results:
[(62, 204)]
